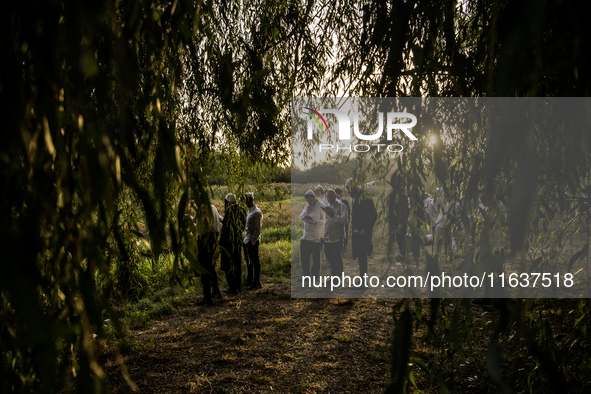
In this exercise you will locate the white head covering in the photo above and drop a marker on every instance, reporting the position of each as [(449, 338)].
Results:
[(230, 197), (348, 184), (319, 190)]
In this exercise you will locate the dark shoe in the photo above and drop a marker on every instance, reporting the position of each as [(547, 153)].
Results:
[(231, 291), (205, 301), (218, 296), (255, 286)]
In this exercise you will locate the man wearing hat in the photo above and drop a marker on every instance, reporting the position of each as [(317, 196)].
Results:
[(254, 222), (313, 217), (363, 218), (231, 243)]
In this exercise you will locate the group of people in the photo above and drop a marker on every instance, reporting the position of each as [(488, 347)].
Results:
[(237, 231), (437, 209), (326, 216)]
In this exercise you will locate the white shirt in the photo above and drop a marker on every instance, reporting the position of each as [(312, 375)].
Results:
[(215, 224), (430, 209), (334, 230), (211, 224), (254, 222), (313, 217)]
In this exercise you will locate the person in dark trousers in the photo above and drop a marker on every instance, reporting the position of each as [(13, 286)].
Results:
[(207, 243), (398, 207), (334, 232), (340, 198), (231, 243), (313, 217), (254, 221), (363, 219)]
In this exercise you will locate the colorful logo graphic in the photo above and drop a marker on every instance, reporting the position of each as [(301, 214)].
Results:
[(393, 121), (315, 115)]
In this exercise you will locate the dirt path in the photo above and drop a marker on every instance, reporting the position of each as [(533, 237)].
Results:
[(263, 341)]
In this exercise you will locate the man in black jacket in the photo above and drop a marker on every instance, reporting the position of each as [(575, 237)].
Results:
[(339, 193), (363, 219), (231, 243)]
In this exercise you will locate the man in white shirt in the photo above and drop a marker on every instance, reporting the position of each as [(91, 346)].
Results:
[(334, 232), (313, 217), (254, 222), (430, 210)]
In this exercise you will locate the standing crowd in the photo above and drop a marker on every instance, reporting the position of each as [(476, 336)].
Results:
[(240, 232), (330, 221), (327, 216)]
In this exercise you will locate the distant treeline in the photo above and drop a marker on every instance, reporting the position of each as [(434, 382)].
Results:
[(324, 172)]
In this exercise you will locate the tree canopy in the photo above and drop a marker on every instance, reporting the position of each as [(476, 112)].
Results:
[(112, 101)]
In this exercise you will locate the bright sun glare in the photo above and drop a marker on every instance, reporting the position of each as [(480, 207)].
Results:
[(432, 141)]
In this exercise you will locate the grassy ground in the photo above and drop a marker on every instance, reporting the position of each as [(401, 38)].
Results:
[(260, 341)]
